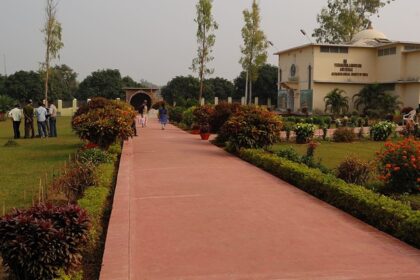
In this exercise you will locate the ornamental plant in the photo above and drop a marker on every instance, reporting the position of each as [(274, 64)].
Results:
[(188, 117), (399, 166), (37, 243), (203, 114), (382, 130), (95, 156), (251, 127), (304, 132), (103, 121), (354, 170), (222, 112), (343, 134)]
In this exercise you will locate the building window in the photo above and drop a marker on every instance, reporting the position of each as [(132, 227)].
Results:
[(334, 49), (411, 47), (387, 51)]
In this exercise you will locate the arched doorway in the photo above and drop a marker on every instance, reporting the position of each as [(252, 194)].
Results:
[(137, 100)]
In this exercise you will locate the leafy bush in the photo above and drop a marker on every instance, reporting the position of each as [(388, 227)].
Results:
[(354, 170), (222, 112), (251, 127), (175, 114), (304, 132), (386, 214), (343, 134), (203, 114), (95, 156), (104, 121), (6, 103), (188, 117), (382, 130), (37, 243), (399, 166), (75, 180), (288, 127)]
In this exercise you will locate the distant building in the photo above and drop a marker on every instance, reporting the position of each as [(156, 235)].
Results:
[(308, 73)]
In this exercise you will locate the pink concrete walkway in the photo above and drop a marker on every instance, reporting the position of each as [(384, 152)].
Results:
[(185, 209)]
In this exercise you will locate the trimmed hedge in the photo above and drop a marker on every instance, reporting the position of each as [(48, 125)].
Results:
[(382, 212)]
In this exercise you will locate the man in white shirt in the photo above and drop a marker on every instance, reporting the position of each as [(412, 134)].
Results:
[(53, 119), (41, 116), (16, 115)]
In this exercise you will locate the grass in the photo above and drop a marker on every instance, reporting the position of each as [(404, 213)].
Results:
[(332, 153), (23, 165)]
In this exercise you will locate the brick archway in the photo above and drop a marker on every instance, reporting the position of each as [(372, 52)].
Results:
[(134, 96)]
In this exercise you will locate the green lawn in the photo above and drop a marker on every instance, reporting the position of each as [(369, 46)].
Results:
[(331, 153), (21, 167)]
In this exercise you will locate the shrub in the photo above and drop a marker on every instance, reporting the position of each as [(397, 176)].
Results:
[(343, 134), (188, 117), (354, 170), (203, 114), (222, 112), (382, 130), (37, 243), (104, 121), (251, 127), (175, 114), (75, 180), (290, 154), (304, 132), (6, 103), (386, 214), (399, 166), (288, 127), (95, 156)]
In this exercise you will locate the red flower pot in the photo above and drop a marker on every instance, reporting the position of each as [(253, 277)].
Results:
[(205, 136)]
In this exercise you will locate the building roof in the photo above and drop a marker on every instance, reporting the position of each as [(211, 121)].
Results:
[(369, 37)]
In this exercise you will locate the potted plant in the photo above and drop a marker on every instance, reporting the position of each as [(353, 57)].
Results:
[(205, 131)]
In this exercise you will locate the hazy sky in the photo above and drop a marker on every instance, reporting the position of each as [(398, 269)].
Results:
[(155, 39)]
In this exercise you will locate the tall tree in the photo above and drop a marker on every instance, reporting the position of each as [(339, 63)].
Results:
[(2, 82), (205, 39), (62, 82), (342, 19), (375, 101), (255, 46), (24, 85), (182, 90), (264, 87), (102, 83), (52, 39)]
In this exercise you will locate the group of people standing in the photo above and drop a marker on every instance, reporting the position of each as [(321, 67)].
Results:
[(46, 120), (144, 110)]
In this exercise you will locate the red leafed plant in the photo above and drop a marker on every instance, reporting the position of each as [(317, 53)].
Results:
[(39, 242), (399, 166)]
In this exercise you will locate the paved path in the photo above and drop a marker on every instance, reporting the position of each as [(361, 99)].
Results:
[(185, 209)]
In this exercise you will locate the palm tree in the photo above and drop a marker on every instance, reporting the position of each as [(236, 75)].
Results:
[(375, 101), (336, 102)]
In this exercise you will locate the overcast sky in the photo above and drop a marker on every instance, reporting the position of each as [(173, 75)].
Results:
[(155, 39)]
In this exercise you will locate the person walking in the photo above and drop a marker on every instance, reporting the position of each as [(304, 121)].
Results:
[(163, 116), (143, 112), (41, 115), (28, 112), (16, 115), (53, 119)]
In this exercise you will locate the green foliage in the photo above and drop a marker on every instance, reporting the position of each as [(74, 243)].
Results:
[(344, 134), (251, 127), (62, 83), (354, 171), (182, 90), (382, 130), (175, 114), (36, 243), (6, 103), (101, 83), (254, 49), (375, 101), (205, 40), (380, 211), (104, 121), (264, 87), (304, 132), (94, 156), (115, 149), (399, 166), (342, 19), (335, 102), (188, 117), (218, 87), (24, 85), (128, 82)]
